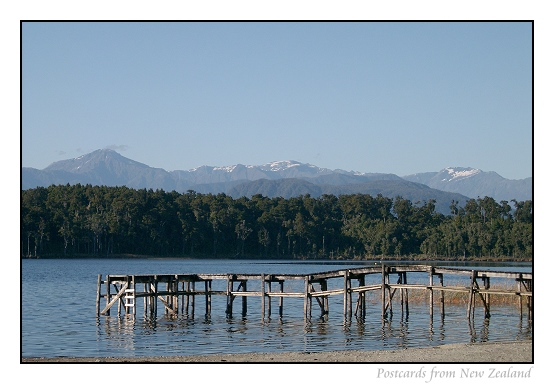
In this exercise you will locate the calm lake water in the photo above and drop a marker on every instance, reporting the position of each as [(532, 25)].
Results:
[(58, 315)]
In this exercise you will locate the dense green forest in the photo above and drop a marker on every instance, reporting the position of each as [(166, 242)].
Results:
[(98, 221)]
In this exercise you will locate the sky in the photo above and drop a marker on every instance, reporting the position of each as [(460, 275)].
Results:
[(384, 97)]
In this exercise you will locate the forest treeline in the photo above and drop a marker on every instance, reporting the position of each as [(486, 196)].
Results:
[(98, 221)]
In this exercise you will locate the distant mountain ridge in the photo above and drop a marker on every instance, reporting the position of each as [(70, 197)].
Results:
[(476, 183), (281, 178)]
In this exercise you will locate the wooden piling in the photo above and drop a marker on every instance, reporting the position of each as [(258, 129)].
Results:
[(207, 293), (383, 288), (325, 309), (229, 310), (108, 296), (98, 294), (244, 298), (486, 301), (471, 298), (441, 282), (431, 271), (281, 290), (187, 298), (401, 281), (347, 306), (263, 296), (405, 281), (306, 294), (269, 298), (361, 298), (520, 298)]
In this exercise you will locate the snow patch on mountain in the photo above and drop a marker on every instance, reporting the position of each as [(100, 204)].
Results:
[(460, 173), (228, 168), (278, 166)]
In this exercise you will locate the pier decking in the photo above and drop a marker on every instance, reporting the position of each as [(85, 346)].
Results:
[(182, 293)]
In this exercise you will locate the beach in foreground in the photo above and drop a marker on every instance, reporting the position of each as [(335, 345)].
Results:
[(493, 352)]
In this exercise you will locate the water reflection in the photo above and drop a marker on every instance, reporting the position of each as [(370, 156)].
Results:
[(185, 334), (482, 335), (120, 331), (525, 332)]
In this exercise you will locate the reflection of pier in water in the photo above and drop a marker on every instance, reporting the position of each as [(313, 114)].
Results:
[(179, 293)]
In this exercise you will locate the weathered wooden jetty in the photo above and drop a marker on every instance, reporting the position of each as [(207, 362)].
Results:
[(181, 293)]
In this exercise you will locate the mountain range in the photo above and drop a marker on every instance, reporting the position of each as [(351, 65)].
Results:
[(281, 178)]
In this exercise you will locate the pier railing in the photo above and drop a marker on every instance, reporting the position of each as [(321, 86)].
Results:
[(181, 293)]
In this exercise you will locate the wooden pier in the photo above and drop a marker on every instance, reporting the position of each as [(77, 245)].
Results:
[(182, 293)]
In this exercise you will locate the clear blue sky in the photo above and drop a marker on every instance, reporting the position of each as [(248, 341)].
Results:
[(384, 97)]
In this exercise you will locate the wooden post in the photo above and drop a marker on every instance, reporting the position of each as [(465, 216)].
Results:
[(361, 298), (193, 298), (149, 298), (208, 288), (167, 297), (176, 294), (441, 281), (186, 307), (391, 294), (98, 295), (281, 289), (400, 280), (108, 296), (119, 301), (487, 301), (263, 297), (306, 293), (145, 300), (383, 288), (530, 301), (269, 298), (520, 297), (347, 295), (182, 297), (325, 298), (431, 270), (405, 279), (229, 310), (155, 306), (471, 294), (244, 299), (310, 297)]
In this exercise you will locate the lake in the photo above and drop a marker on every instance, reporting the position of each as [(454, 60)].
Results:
[(58, 315)]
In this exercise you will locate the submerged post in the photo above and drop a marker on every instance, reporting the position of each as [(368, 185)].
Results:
[(281, 289), (405, 280), (471, 298), (263, 297), (269, 298), (383, 288), (431, 270), (306, 293), (441, 282), (325, 298), (98, 295), (108, 296), (229, 310), (244, 299), (347, 295)]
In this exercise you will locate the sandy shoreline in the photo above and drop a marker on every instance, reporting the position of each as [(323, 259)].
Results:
[(491, 352)]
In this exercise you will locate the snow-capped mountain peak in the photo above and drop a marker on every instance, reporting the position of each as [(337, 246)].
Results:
[(277, 166), (457, 173)]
